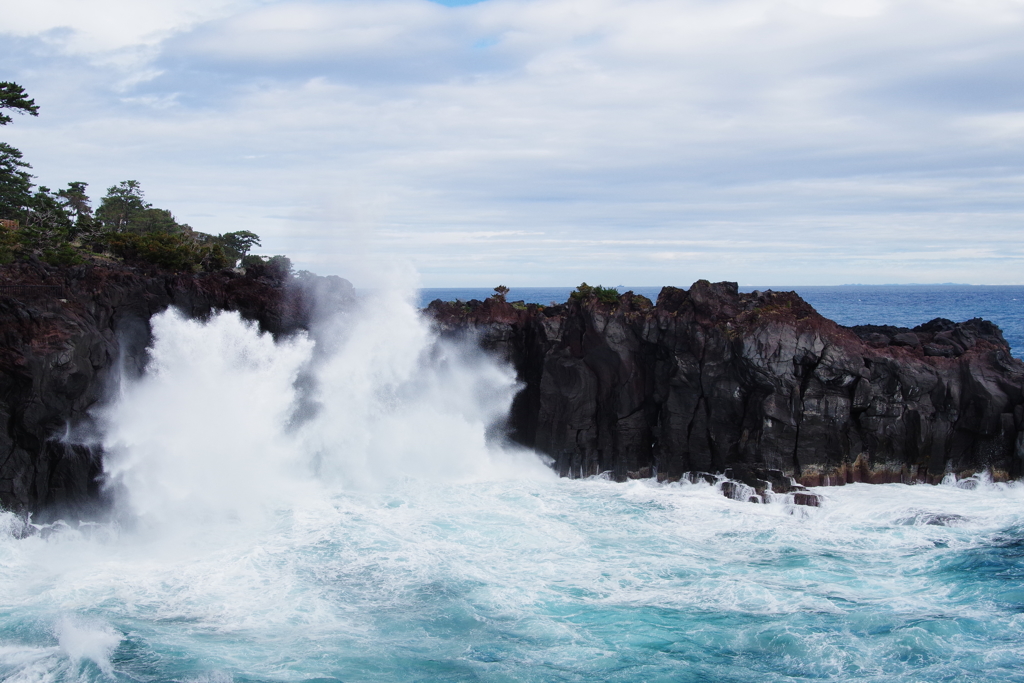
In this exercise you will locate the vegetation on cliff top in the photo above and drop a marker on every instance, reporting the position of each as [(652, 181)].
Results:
[(606, 295), (61, 228)]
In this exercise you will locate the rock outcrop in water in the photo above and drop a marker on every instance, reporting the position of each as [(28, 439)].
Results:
[(755, 387), (67, 335), (758, 387)]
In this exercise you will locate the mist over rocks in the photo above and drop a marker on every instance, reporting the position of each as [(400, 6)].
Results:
[(758, 387), (68, 336)]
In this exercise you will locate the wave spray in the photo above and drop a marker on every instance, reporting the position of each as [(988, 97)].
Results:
[(338, 506), (227, 422)]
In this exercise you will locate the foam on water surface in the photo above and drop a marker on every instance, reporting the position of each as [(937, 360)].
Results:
[(330, 508), (539, 580)]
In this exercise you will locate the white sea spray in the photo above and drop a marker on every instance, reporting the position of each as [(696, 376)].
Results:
[(330, 507)]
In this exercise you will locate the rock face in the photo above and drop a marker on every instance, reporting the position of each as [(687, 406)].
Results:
[(709, 383), (756, 386), (68, 334)]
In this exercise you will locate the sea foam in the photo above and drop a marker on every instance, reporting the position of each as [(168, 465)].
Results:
[(334, 506)]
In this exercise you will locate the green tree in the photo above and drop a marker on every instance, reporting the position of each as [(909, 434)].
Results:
[(48, 211), (15, 183), (49, 228), (121, 205), (154, 220), (279, 266), (276, 267), (12, 96), (77, 202), (214, 257), (238, 244), (124, 209)]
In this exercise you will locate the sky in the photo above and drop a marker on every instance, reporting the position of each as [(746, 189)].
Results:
[(550, 142)]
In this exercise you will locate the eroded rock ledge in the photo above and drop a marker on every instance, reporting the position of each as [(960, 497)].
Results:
[(758, 385)]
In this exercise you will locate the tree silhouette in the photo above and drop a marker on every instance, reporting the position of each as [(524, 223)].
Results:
[(12, 96)]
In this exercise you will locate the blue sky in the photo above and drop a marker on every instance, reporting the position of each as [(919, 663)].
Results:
[(547, 142)]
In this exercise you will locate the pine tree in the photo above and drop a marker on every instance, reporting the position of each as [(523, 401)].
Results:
[(12, 96), (15, 183)]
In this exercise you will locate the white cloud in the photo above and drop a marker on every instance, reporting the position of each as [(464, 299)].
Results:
[(97, 26), (767, 142)]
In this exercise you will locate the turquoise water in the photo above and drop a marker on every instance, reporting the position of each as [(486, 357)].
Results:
[(330, 509), (541, 580)]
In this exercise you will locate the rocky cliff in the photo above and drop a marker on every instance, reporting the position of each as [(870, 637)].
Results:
[(68, 335), (757, 386)]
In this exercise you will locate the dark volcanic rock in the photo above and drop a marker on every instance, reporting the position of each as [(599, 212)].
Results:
[(755, 387), (710, 379), (810, 499), (67, 334)]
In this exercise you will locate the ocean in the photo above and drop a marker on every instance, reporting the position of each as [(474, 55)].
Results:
[(329, 508)]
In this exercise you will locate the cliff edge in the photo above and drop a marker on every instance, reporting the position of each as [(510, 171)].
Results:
[(757, 386)]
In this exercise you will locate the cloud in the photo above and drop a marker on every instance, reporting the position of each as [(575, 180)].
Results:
[(90, 27), (642, 142)]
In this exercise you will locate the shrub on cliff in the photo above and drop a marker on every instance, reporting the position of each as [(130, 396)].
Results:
[(63, 255), (214, 258), (606, 295), (273, 267), (9, 244), (187, 251), (173, 252)]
